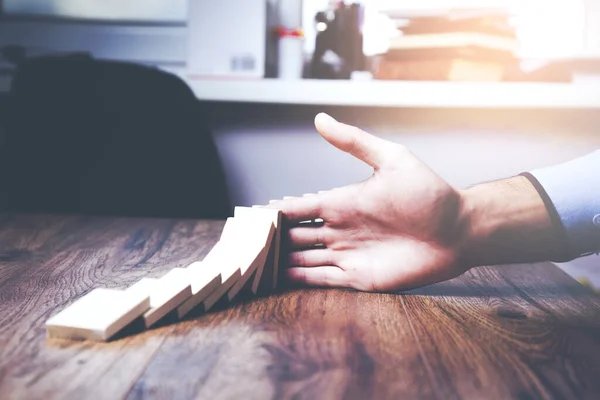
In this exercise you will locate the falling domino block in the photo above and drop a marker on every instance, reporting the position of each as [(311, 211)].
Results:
[(204, 281), (165, 293), (229, 227), (220, 260), (254, 236), (268, 251), (275, 216), (98, 315)]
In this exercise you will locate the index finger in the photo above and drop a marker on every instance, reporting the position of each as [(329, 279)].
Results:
[(300, 209)]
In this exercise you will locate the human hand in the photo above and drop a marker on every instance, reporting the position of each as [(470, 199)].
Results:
[(399, 229)]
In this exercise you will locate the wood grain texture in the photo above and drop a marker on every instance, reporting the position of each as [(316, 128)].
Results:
[(522, 332)]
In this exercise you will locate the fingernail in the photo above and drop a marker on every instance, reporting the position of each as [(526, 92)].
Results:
[(325, 120)]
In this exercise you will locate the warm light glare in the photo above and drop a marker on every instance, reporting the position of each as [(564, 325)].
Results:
[(545, 28), (550, 28)]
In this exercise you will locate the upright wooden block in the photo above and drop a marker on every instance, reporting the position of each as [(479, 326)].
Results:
[(253, 237), (98, 316), (275, 217), (267, 255), (166, 293)]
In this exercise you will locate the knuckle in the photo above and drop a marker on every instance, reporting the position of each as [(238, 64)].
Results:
[(324, 277), (323, 236), (297, 258), (332, 257)]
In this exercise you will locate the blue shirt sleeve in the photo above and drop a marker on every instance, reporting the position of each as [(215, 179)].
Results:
[(573, 188)]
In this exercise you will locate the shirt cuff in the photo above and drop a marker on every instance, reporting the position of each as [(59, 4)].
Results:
[(573, 189)]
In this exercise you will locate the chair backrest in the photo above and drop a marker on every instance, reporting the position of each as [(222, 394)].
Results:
[(109, 138)]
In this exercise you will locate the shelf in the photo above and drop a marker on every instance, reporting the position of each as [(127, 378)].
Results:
[(400, 94), (393, 93)]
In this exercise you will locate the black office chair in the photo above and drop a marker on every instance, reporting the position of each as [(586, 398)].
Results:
[(107, 138)]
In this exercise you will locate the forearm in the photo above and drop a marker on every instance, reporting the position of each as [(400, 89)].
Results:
[(507, 222)]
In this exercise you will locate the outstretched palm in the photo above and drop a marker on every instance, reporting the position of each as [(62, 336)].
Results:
[(398, 229)]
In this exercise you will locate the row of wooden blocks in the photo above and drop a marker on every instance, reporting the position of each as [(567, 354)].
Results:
[(246, 257)]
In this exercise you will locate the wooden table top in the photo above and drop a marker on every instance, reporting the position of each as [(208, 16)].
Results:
[(503, 332)]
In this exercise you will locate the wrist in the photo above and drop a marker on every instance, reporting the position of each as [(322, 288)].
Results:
[(506, 222)]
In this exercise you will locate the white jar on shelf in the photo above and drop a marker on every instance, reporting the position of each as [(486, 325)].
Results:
[(290, 53)]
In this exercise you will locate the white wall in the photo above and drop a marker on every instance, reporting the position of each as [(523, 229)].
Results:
[(266, 160)]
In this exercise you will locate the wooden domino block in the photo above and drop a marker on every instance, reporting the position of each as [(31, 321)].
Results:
[(204, 281), (254, 237), (230, 272), (98, 316), (166, 293), (239, 252), (275, 217), (228, 228), (264, 258), (214, 276)]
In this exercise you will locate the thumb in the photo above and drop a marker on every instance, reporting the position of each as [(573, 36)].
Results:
[(362, 145)]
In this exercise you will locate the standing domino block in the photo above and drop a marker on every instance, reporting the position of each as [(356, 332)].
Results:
[(275, 217), (254, 236), (266, 255), (98, 316), (165, 293)]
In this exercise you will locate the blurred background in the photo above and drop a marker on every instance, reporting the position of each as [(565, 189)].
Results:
[(127, 107)]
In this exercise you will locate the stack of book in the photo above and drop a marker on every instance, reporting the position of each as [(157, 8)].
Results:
[(462, 47)]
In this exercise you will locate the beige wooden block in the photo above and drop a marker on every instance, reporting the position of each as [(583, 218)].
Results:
[(208, 290), (194, 265), (229, 226), (233, 255), (254, 237), (263, 260), (275, 217), (231, 273), (98, 315), (204, 280), (166, 293)]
